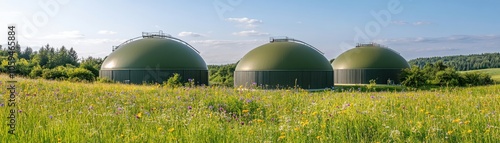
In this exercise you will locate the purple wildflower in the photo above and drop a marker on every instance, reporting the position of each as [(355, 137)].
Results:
[(210, 107), (50, 116), (1, 105), (189, 107)]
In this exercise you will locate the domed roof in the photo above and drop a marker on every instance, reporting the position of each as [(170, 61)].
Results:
[(370, 56), (156, 53), (284, 55)]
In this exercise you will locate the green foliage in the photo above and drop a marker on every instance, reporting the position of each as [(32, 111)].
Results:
[(92, 64), (58, 73), (174, 80), (104, 80), (37, 71), (447, 77), (476, 78), (373, 83), (80, 74), (441, 75), (51, 63), (413, 77), (222, 74)]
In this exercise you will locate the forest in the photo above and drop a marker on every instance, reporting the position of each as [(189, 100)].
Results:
[(463, 62)]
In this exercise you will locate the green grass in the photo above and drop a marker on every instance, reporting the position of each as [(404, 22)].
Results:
[(494, 72), (77, 112)]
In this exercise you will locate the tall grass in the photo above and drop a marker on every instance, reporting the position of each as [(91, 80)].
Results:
[(83, 112)]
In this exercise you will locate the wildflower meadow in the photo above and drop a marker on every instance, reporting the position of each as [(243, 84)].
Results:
[(62, 111)]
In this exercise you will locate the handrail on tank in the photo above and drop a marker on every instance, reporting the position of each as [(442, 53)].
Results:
[(377, 45), (287, 39), (159, 34)]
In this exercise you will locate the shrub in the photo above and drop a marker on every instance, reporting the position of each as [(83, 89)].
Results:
[(413, 77), (58, 73), (476, 78), (78, 74), (104, 80), (36, 72)]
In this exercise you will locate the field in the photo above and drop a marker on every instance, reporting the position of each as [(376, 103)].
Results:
[(52, 111), (494, 72)]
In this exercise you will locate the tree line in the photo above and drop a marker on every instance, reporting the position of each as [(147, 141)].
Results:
[(463, 62), (52, 63)]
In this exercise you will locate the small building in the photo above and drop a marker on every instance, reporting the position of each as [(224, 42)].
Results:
[(153, 58), (365, 62), (284, 63)]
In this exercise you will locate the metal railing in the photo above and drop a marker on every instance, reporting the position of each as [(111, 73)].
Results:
[(287, 39), (159, 34), (377, 45)]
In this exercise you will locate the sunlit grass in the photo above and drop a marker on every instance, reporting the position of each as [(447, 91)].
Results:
[(78, 112)]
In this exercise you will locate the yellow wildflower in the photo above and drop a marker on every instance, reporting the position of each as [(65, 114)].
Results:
[(159, 129), (469, 131), (171, 130), (314, 113), (296, 128), (456, 121), (306, 122), (139, 115), (449, 132), (282, 137), (318, 137), (244, 111), (466, 122), (260, 120)]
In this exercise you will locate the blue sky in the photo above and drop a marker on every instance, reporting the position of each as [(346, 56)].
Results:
[(224, 30)]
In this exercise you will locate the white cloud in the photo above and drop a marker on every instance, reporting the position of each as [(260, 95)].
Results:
[(247, 22), (106, 32), (415, 47), (65, 35), (416, 23), (399, 22), (191, 34), (421, 23), (250, 33)]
